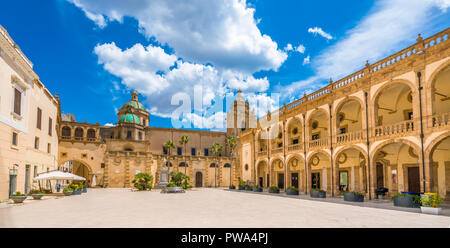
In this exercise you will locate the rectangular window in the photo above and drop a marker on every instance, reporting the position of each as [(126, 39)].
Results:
[(49, 148), (39, 118), (140, 135), (36, 143), (206, 152), (35, 171), (50, 125), (164, 150), (315, 137), (14, 139), (295, 141), (280, 145), (17, 101), (129, 135), (193, 152), (342, 130), (179, 151)]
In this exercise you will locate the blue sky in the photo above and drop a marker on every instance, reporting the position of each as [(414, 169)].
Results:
[(94, 53)]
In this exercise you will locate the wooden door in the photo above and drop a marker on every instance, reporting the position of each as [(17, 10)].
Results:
[(294, 180), (413, 179), (380, 176), (281, 180), (315, 180), (198, 179)]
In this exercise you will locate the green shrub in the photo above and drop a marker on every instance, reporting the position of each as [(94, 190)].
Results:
[(356, 193), (143, 181), (292, 188), (17, 194), (178, 178), (416, 198), (232, 187), (67, 189), (36, 191), (317, 189), (171, 185), (431, 201), (241, 184), (186, 185), (273, 187)]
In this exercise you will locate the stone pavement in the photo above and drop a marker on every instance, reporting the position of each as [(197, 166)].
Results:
[(204, 207)]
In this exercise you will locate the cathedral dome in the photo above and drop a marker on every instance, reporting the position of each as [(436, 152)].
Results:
[(134, 103), (130, 118)]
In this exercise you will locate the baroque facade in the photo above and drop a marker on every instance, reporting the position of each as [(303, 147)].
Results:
[(384, 126), (113, 155)]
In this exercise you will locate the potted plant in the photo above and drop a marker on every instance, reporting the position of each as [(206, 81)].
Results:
[(257, 189), (142, 181), (175, 184), (274, 189), (83, 187), (248, 187), (37, 194), (353, 196), (406, 200), (317, 193), (430, 204), (291, 190), (241, 185), (18, 197), (232, 187), (67, 191), (75, 188)]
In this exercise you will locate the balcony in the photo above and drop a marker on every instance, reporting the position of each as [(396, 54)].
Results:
[(262, 153), (294, 148), (277, 150), (319, 143), (352, 137), (403, 128), (439, 121), (80, 139)]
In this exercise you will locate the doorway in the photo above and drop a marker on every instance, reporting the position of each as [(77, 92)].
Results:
[(261, 183), (12, 185), (281, 180), (294, 180), (343, 180), (198, 179), (27, 178), (315, 180), (380, 176), (268, 180), (413, 179)]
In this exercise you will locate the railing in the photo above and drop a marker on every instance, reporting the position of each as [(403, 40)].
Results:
[(66, 137), (425, 44), (262, 153), (395, 129), (85, 139), (318, 143), (349, 137), (277, 150), (440, 120), (296, 147)]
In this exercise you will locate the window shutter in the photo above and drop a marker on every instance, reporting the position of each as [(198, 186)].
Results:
[(50, 124), (17, 101), (39, 118)]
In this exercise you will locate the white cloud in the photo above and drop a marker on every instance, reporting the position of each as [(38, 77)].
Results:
[(300, 49), (288, 47), (306, 60), (109, 125), (223, 32), (390, 26), (319, 31)]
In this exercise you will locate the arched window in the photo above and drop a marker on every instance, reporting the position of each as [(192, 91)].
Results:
[(182, 164), (212, 165), (91, 133), (66, 131), (79, 132), (227, 165)]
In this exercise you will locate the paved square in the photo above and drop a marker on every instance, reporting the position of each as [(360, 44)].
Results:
[(201, 208)]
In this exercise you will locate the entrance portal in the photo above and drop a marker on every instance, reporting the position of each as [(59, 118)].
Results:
[(380, 177), (281, 180), (413, 179), (294, 180), (315, 180), (198, 179)]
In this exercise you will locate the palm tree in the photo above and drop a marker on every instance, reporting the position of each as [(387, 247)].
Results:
[(216, 149), (183, 141), (169, 145), (231, 143)]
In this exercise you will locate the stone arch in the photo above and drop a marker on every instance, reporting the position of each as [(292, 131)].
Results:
[(347, 99), (292, 134), (66, 131), (431, 85), (432, 78), (354, 171), (437, 165), (308, 157), (262, 172), (341, 104), (91, 133), (79, 132), (403, 108), (392, 141)]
